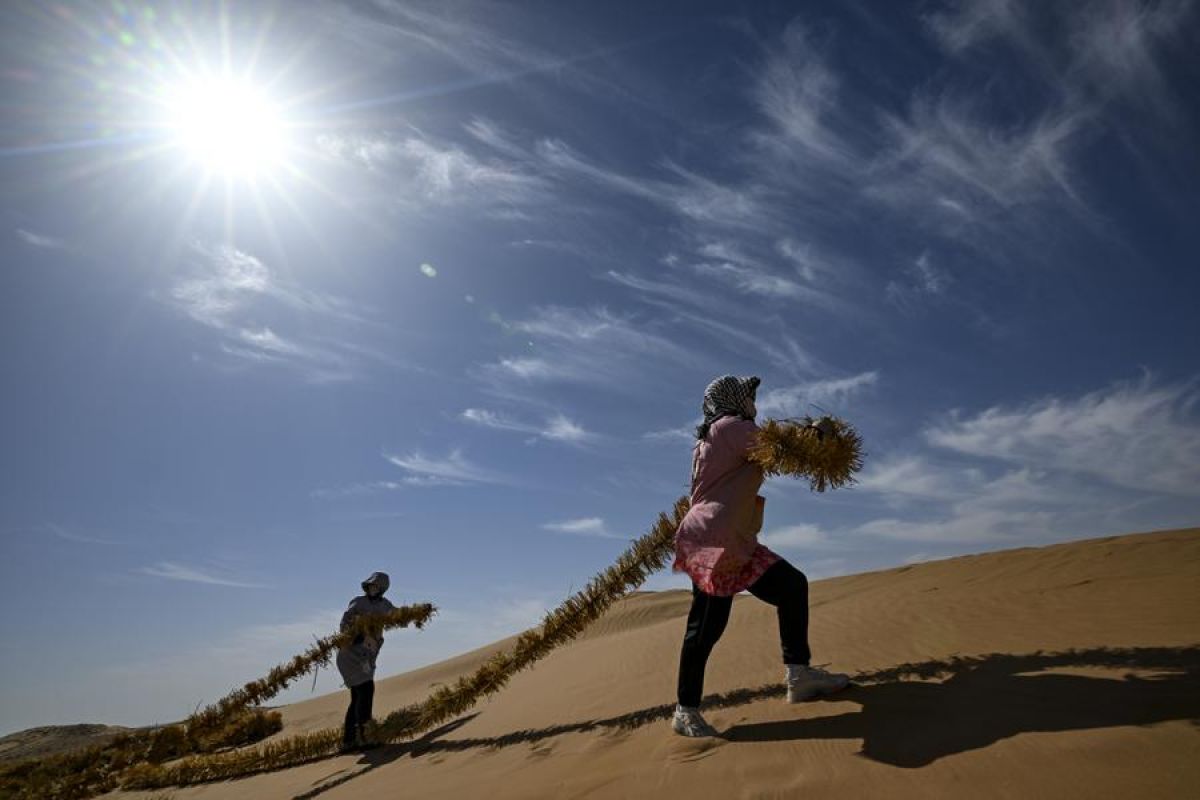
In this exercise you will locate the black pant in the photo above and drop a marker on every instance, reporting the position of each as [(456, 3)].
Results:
[(359, 712), (783, 586)]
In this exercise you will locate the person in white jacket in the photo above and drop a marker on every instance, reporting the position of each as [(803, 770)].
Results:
[(356, 661)]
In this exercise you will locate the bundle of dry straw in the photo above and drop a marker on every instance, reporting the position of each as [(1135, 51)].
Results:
[(790, 447), (825, 452)]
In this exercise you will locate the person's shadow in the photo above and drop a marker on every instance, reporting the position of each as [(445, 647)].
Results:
[(912, 723)]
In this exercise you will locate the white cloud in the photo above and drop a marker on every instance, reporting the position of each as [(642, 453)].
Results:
[(66, 535), (1117, 46), (798, 93), (1134, 435), (741, 331), (40, 240), (690, 195), (564, 430), (966, 23), (588, 346), (182, 572), (585, 526), (228, 278), (1122, 458), (922, 279), (945, 160), (420, 172), (753, 281), (490, 419), (228, 290), (684, 434), (454, 469), (557, 428), (965, 525), (917, 478), (796, 400), (797, 537)]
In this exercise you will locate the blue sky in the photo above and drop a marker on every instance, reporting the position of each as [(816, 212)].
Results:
[(454, 317)]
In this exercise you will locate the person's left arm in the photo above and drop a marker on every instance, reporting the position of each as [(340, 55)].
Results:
[(740, 436)]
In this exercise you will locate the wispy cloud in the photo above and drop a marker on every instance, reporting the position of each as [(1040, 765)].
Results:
[(965, 23), (40, 240), (922, 280), (1119, 44), (799, 399), (227, 278), (1104, 51), (952, 169), (683, 434), (420, 173), (584, 526), (753, 279), (170, 570), (454, 469), (67, 535), (951, 166), (557, 428), (492, 44), (588, 346), (709, 314), (227, 289), (798, 92)]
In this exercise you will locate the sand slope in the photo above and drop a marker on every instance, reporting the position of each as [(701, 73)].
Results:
[(1117, 719)]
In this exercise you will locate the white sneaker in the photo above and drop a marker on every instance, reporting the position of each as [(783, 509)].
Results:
[(806, 683), (688, 722)]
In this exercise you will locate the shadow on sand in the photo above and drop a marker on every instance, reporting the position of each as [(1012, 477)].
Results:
[(983, 700), (908, 721)]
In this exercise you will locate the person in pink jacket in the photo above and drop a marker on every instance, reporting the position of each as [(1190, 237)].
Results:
[(717, 546)]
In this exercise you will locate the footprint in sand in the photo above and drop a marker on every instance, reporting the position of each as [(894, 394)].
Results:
[(681, 750), (540, 750)]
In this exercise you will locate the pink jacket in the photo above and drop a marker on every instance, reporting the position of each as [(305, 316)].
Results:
[(716, 544)]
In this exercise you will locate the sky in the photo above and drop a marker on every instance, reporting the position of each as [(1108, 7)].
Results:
[(295, 292)]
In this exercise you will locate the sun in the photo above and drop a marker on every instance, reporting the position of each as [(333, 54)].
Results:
[(228, 126)]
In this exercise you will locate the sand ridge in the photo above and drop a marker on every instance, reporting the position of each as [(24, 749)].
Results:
[(968, 688)]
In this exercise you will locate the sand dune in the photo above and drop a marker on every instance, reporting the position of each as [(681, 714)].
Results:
[(51, 739), (1016, 715)]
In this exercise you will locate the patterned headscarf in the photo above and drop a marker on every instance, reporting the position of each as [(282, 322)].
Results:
[(725, 397)]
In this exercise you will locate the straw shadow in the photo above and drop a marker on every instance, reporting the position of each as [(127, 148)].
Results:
[(380, 756), (912, 724)]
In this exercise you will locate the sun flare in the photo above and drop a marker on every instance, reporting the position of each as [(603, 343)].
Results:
[(228, 126)]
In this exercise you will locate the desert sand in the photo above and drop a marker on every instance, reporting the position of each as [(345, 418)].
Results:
[(1078, 676)]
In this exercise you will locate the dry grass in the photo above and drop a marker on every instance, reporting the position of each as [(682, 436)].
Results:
[(86, 773)]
